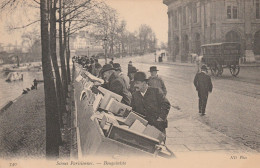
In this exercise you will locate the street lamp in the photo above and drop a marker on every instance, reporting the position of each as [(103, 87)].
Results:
[(155, 55), (88, 51), (105, 44)]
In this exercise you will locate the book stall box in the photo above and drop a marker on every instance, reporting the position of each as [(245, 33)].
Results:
[(107, 127)]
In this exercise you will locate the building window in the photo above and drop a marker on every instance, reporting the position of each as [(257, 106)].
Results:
[(232, 9), (184, 15), (229, 12), (234, 12), (257, 9), (195, 13), (198, 12)]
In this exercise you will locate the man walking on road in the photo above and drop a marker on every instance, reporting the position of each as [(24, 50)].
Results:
[(155, 81), (203, 84), (150, 102)]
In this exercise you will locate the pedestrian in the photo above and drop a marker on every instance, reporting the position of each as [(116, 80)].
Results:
[(132, 72), (35, 83), (130, 65), (119, 72), (156, 81), (115, 83), (150, 102), (97, 69), (203, 84), (198, 61), (112, 61)]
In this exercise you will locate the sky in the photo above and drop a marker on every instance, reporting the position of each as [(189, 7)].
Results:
[(134, 12), (137, 12)]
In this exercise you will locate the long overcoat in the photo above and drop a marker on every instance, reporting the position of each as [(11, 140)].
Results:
[(152, 106)]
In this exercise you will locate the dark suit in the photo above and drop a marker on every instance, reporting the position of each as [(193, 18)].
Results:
[(152, 105), (117, 85), (203, 85)]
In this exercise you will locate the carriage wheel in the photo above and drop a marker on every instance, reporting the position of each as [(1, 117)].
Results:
[(234, 69)]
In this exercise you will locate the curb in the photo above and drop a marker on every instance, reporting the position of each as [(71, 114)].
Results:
[(6, 106)]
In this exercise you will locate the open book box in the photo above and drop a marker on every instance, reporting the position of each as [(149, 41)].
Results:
[(133, 138)]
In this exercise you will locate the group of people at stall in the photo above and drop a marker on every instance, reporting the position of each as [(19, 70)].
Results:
[(146, 96)]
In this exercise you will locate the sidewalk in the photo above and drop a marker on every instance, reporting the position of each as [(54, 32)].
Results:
[(255, 64), (186, 134)]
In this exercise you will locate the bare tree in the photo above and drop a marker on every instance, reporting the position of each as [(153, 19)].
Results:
[(53, 136)]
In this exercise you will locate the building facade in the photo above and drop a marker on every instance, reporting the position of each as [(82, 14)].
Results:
[(192, 23), (83, 43)]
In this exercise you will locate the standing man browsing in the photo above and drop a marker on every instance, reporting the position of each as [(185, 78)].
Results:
[(150, 102), (156, 81), (115, 84), (203, 84)]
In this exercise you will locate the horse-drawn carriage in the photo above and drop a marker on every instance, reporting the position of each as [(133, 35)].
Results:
[(222, 55)]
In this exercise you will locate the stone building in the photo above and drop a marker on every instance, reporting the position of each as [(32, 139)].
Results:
[(192, 23)]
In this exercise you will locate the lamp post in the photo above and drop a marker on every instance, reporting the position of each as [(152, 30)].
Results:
[(155, 55), (88, 51), (105, 45)]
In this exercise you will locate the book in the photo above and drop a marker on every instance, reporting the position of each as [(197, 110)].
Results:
[(130, 119), (108, 118), (153, 132), (97, 101), (79, 78), (117, 108), (137, 126), (107, 96)]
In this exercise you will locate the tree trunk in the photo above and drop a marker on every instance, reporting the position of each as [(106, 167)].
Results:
[(62, 56), (53, 135), (60, 93), (68, 56)]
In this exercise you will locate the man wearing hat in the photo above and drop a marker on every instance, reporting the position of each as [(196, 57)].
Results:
[(203, 84), (119, 73), (132, 72), (150, 102), (115, 83), (155, 81)]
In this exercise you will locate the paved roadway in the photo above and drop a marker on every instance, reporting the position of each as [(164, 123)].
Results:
[(233, 107)]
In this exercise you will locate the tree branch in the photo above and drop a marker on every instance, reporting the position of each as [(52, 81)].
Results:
[(36, 2), (24, 26)]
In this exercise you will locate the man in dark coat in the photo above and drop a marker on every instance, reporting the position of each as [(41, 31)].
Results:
[(150, 102), (130, 65), (115, 83), (132, 72), (203, 84), (155, 81)]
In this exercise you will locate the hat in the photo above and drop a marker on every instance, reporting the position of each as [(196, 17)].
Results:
[(117, 66), (140, 76), (133, 70), (130, 61), (153, 68), (204, 67), (107, 67)]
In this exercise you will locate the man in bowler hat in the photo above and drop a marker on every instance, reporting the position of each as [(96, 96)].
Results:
[(115, 84), (203, 84), (156, 81), (150, 102)]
